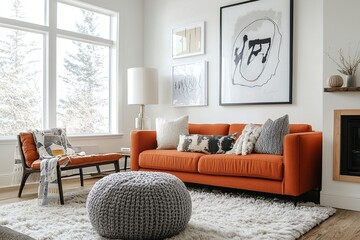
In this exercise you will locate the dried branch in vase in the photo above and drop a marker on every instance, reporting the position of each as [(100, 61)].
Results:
[(347, 66)]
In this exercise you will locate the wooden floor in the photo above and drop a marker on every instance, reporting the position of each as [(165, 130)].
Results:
[(342, 225)]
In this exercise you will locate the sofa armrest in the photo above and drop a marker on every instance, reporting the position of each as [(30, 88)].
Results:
[(302, 162), (140, 140)]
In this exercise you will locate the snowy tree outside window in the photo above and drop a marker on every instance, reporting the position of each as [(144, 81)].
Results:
[(76, 92)]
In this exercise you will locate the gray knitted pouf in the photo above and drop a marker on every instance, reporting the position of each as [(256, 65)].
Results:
[(139, 205)]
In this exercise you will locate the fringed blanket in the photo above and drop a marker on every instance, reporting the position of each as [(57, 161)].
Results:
[(18, 170), (48, 191)]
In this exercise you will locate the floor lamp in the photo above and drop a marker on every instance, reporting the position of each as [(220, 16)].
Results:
[(142, 90)]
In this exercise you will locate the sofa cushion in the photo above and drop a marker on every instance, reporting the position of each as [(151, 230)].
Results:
[(171, 160), (253, 165), (209, 144), (272, 134), (209, 129), (168, 131)]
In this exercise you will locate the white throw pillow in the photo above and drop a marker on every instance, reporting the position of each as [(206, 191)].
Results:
[(246, 142), (168, 131)]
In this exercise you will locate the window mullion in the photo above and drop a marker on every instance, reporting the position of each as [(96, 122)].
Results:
[(84, 38), (50, 90)]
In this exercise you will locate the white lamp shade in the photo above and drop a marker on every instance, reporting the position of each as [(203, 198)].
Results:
[(142, 86)]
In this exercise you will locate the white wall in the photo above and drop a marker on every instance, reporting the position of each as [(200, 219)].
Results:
[(340, 19), (161, 16), (130, 55)]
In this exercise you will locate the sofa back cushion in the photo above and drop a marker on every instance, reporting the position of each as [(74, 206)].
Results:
[(209, 129), (294, 128)]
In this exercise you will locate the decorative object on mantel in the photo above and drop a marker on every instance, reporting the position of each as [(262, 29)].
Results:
[(347, 66), (350, 81), (335, 81)]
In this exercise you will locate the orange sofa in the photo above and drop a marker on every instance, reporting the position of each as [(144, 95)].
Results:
[(295, 172)]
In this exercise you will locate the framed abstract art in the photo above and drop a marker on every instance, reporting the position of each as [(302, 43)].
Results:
[(256, 52), (189, 84)]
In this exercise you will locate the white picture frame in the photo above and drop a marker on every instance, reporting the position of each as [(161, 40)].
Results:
[(189, 84), (188, 40)]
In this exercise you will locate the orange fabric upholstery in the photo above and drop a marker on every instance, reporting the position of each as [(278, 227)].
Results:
[(209, 129), (84, 160), (28, 148), (246, 183), (302, 162), (236, 128), (141, 141), (252, 165), (296, 172), (298, 128), (170, 160)]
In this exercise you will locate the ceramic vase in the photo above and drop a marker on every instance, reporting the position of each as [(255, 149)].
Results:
[(335, 81), (350, 81)]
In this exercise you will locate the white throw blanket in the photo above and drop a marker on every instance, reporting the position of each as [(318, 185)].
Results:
[(48, 191)]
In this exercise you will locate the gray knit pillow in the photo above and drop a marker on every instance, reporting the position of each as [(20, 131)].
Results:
[(272, 134)]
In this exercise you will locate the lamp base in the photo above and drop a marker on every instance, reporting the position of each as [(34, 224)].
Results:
[(142, 123)]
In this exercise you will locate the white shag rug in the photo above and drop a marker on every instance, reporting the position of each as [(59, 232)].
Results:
[(215, 215)]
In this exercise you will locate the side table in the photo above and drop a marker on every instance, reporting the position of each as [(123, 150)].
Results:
[(126, 155)]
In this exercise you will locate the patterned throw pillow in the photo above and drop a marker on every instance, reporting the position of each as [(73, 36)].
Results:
[(271, 137), (53, 142), (168, 131), (209, 144), (246, 142)]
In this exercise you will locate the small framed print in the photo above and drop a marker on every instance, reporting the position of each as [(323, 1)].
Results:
[(188, 40), (189, 84)]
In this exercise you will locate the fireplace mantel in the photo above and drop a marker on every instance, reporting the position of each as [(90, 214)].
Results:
[(342, 89)]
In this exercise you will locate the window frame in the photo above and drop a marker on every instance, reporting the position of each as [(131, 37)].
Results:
[(51, 33)]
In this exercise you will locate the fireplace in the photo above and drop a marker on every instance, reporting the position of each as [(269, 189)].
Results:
[(347, 145), (350, 145)]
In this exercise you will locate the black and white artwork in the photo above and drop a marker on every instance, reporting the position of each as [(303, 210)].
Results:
[(189, 84), (256, 52)]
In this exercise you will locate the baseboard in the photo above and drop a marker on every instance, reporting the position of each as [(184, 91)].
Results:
[(343, 201), (5, 180)]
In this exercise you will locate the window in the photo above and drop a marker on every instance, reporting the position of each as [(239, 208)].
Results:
[(71, 87), (24, 10), (83, 87), (21, 80)]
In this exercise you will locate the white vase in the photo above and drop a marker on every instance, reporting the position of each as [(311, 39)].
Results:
[(350, 81)]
